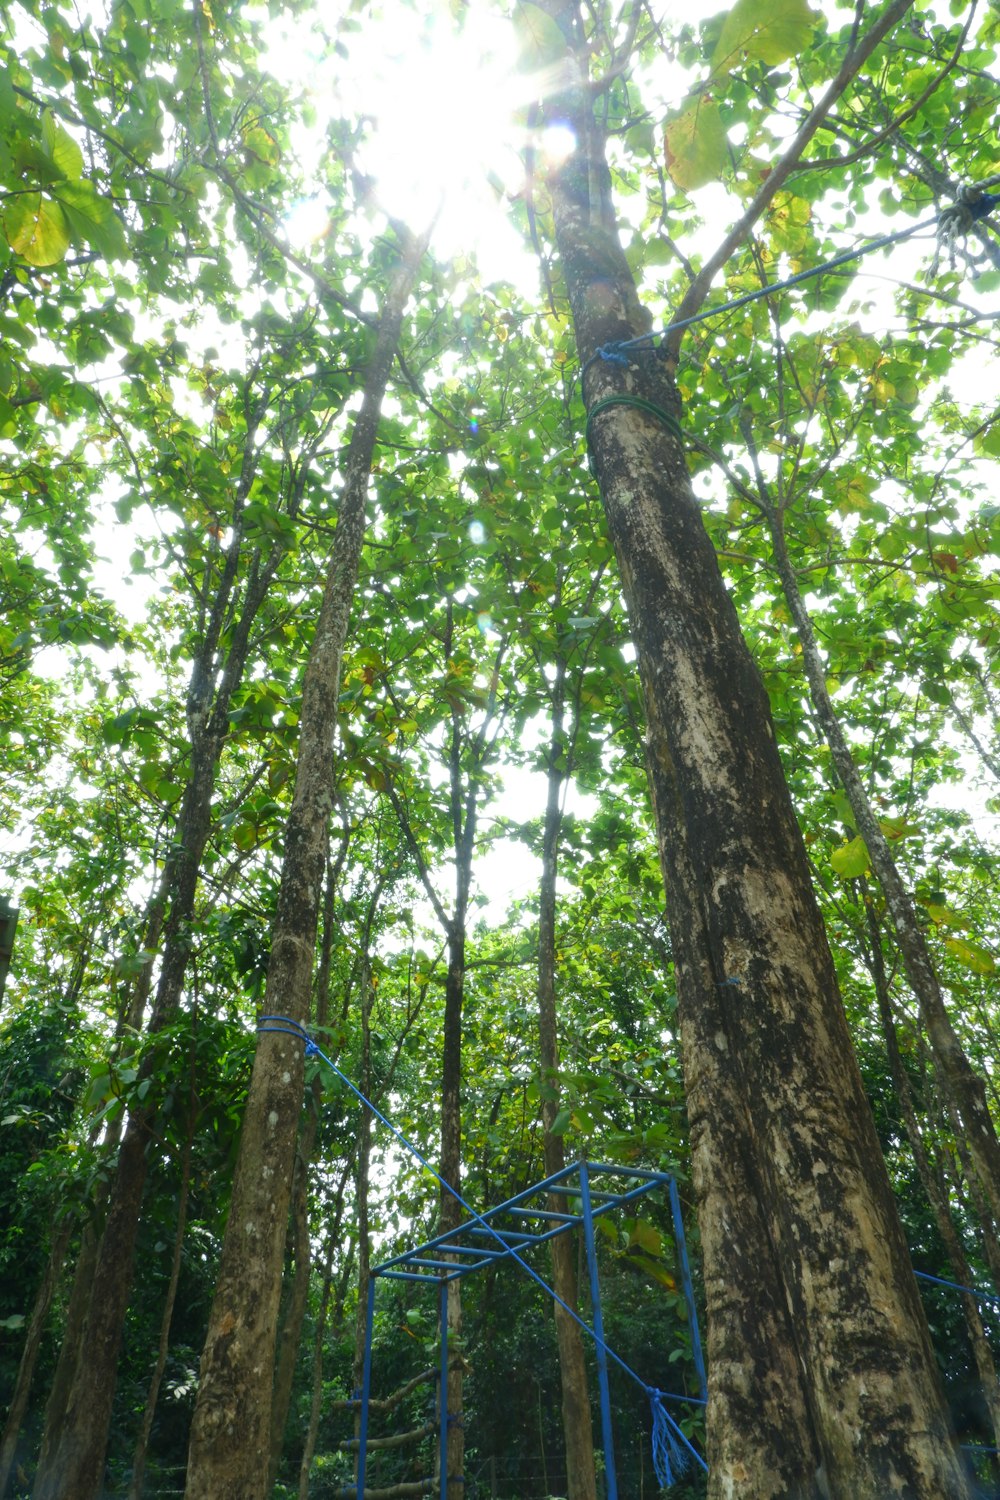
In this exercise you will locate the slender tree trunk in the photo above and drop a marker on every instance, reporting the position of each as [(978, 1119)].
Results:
[(316, 1404), (581, 1478), (451, 1171), (931, 1180), (362, 1187), (141, 1455), (822, 1378), (966, 1090), (230, 1434), (29, 1354)]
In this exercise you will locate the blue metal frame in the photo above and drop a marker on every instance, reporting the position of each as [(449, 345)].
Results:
[(506, 1232)]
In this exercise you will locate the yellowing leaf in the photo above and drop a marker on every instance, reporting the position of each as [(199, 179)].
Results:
[(898, 828), (850, 860), (972, 955), (765, 31), (36, 228), (260, 143), (944, 916), (696, 144)]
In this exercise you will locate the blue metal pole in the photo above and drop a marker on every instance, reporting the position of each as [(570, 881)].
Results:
[(366, 1386), (607, 1432), (443, 1392), (682, 1256)]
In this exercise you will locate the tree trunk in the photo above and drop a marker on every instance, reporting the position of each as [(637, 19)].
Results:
[(29, 1354), (451, 1212), (363, 1182), (581, 1479), (290, 1334), (966, 1090), (316, 1404), (230, 1434), (822, 1378), (141, 1454), (73, 1454), (937, 1195)]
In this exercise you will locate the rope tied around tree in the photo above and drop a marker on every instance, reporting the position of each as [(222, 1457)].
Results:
[(952, 224)]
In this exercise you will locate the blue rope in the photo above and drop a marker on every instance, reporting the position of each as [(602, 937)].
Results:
[(614, 353), (957, 1287), (677, 1446)]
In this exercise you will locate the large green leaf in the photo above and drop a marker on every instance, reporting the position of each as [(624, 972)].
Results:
[(767, 31)]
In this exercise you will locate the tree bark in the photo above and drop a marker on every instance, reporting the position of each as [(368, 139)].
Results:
[(833, 1391), (230, 1434)]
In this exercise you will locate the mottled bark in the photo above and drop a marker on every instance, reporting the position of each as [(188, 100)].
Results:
[(957, 1076), (833, 1392), (581, 1479), (230, 1435)]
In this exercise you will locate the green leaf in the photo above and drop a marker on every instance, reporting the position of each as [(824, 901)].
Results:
[(695, 144), (560, 1124), (92, 219), (62, 150), (36, 229), (762, 32), (850, 860), (540, 41)]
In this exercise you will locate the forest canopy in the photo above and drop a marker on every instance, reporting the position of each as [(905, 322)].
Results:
[(499, 567)]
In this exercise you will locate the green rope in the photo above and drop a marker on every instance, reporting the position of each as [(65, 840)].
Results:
[(623, 399)]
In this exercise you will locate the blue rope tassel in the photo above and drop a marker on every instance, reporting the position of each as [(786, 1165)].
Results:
[(671, 1458)]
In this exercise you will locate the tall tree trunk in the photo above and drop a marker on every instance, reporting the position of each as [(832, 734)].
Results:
[(290, 1336), (73, 1455), (966, 1090), (230, 1434), (141, 1454), (822, 1378), (29, 1354), (362, 1228), (933, 1185), (316, 1404), (451, 1171), (578, 1431), (463, 813)]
